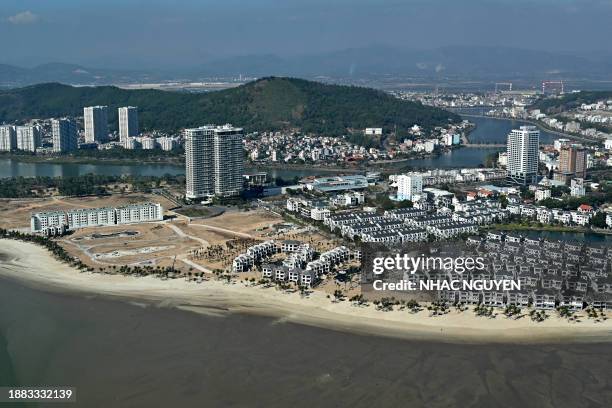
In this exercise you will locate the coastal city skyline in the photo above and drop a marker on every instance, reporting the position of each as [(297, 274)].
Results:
[(314, 203)]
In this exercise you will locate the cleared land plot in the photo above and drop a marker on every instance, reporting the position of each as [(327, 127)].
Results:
[(246, 222), (150, 243), (16, 212)]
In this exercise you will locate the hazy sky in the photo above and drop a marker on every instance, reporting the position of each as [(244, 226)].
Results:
[(155, 33)]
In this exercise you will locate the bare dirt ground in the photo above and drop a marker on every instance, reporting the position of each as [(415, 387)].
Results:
[(138, 244), (16, 212), (205, 245), (202, 245)]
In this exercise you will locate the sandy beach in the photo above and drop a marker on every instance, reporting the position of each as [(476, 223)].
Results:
[(34, 266)]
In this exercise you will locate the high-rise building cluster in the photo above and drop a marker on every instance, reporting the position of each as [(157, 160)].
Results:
[(26, 138), (214, 161), (96, 124), (523, 152)]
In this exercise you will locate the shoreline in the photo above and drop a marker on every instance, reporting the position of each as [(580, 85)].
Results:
[(534, 123), (91, 160), (59, 160), (36, 267)]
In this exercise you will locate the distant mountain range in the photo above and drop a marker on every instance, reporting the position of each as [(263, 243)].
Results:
[(375, 61), (11, 75), (266, 104)]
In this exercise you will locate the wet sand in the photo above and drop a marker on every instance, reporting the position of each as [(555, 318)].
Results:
[(34, 266), (118, 354)]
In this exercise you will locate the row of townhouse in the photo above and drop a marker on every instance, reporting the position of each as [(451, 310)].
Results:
[(570, 273), (404, 213), (328, 260), (581, 216), (553, 247), (96, 217), (295, 271), (396, 236), (360, 228), (478, 205), (283, 273), (255, 253), (299, 254), (570, 266), (480, 216), (426, 220), (542, 299), (452, 229), (336, 221), (399, 225), (299, 257)]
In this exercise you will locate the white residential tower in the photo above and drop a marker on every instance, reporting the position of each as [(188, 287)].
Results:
[(96, 124), (128, 122), (523, 150), (64, 135), (214, 161)]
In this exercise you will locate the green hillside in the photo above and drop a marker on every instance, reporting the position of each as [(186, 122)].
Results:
[(266, 104)]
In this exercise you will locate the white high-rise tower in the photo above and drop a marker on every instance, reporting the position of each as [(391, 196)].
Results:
[(214, 161), (96, 124), (128, 122), (8, 138), (28, 138), (64, 135), (523, 152), (409, 186)]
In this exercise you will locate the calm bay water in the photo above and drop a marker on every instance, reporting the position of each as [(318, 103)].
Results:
[(118, 354), (488, 130), (13, 168), (492, 130)]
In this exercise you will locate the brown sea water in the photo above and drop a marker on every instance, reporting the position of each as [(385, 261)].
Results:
[(119, 355)]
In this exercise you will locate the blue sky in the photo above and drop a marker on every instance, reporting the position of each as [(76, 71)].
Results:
[(157, 33)]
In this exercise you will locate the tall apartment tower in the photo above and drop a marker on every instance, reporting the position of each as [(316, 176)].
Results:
[(523, 151), (572, 163), (8, 138), (64, 135), (96, 124), (128, 122), (214, 161), (409, 186), (28, 138)]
